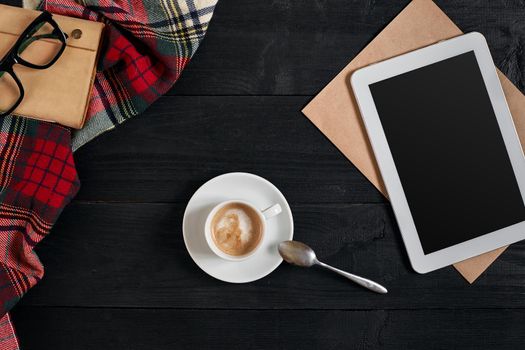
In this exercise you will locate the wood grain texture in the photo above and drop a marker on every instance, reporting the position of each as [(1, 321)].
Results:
[(193, 139), (292, 47), (133, 255), (63, 328)]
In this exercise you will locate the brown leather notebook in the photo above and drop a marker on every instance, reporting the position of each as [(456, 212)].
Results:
[(60, 93), (335, 112)]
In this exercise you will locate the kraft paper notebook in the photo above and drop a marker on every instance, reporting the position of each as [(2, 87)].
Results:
[(60, 93), (335, 112)]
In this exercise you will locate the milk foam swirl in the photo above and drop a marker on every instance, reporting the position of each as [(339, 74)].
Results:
[(236, 229)]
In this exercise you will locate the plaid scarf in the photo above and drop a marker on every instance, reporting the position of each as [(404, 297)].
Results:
[(148, 43)]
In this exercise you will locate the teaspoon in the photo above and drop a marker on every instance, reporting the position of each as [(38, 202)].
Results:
[(299, 254)]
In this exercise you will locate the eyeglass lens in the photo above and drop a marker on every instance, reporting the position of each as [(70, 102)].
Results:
[(41, 46), (9, 92)]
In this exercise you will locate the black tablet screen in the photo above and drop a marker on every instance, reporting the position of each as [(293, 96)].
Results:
[(449, 152)]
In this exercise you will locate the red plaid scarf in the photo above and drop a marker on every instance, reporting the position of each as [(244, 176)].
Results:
[(37, 172), (37, 179)]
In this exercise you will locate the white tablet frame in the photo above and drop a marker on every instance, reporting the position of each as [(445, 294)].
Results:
[(360, 81)]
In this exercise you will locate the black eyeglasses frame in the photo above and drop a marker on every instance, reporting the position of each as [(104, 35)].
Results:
[(12, 57)]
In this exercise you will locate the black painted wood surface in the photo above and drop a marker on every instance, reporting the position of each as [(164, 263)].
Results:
[(117, 273)]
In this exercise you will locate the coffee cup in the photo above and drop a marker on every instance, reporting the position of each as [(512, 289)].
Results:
[(235, 229)]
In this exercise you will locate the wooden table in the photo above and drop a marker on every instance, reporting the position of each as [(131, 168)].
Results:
[(117, 272)]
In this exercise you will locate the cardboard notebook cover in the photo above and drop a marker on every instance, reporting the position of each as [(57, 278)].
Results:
[(335, 113), (60, 93)]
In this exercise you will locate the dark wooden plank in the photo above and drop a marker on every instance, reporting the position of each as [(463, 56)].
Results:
[(288, 47), (58, 328), (133, 255), (181, 142)]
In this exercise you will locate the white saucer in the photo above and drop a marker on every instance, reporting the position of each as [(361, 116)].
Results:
[(253, 189)]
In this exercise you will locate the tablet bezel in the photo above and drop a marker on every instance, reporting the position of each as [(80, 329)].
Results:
[(360, 81)]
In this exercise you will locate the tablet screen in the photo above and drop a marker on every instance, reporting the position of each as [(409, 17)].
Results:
[(449, 152)]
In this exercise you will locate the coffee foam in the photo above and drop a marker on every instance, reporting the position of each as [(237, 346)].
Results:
[(237, 219), (236, 229)]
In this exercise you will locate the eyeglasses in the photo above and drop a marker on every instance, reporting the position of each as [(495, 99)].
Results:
[(38, 47)]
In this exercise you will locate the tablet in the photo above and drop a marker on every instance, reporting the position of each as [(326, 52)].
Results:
[(447, 150)]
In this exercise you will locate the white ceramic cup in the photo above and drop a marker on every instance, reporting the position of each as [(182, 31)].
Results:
[(263, 216)]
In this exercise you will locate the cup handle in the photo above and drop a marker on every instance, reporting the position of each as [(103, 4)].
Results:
[(272, 211)]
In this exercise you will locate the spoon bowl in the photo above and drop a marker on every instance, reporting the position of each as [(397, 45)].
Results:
[(299, 254)]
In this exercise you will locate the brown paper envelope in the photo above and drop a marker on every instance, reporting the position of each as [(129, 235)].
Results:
[(335, 112), (60, 93)]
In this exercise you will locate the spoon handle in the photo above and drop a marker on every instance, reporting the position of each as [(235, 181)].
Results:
[(373, 286)]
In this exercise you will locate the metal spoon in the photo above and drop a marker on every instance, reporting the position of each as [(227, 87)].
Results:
[(299, 254)]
